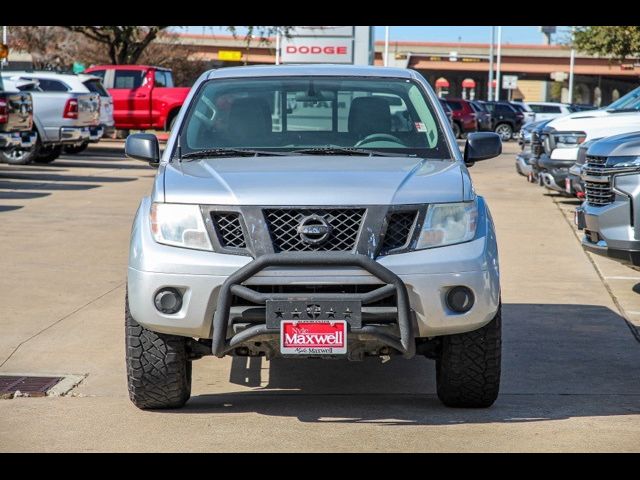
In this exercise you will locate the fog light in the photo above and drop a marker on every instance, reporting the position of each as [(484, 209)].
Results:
[(460, 299), (168, 300)]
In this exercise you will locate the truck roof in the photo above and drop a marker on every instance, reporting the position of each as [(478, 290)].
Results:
[(127, 67), (307, 70)]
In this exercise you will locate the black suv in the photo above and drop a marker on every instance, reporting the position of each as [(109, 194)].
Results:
[(483, 116), (505, 119)]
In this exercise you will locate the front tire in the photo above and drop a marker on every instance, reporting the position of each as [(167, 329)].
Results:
[(468, 367), (505, 131), (158, 371)]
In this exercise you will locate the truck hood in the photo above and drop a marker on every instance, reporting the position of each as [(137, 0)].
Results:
[(313, 180), (597, 123), (624, 145)]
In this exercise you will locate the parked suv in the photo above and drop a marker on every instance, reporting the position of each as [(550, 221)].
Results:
[(464, 117), (529, 115), (16, 120), (610, 215), (143, 96), (322, 231), (506, 120), (447, 111), (550, 110), (483, 116)]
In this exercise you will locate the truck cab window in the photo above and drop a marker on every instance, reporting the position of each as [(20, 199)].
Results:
[(128, 78)]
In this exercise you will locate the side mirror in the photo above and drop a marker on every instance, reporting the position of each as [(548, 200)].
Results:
[(481, 146), (143, 146)]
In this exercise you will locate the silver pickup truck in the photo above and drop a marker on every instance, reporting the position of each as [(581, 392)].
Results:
[(293, 217), (61, 116), (610, 215)]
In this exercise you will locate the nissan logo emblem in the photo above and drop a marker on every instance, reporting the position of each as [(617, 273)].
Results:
[(314, 230)]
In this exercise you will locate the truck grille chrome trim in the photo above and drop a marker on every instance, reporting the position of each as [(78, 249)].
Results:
[(597, 183)]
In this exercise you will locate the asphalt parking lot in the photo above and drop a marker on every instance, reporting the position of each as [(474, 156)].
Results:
[(570, 361)]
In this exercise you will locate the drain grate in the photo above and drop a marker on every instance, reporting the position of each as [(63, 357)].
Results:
[(31, 386)]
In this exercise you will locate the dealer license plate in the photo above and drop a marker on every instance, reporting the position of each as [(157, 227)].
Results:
[(313, 337)]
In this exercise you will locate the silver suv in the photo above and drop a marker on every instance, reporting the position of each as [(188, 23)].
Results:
[(313, 212)]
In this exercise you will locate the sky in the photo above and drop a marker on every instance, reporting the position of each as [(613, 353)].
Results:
[(464, 34)]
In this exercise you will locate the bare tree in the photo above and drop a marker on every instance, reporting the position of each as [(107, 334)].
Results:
[(125, 44)]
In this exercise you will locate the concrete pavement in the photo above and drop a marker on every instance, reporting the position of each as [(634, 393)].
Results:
[(570, 363)]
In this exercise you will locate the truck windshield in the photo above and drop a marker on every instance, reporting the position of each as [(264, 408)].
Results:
[(627, 103), (314, 112)]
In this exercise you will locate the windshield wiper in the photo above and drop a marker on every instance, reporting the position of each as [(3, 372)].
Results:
[(227, 152), (348, 151)]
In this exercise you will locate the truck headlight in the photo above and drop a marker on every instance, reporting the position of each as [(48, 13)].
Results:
[(623, 162), (448, 223), (569, 140), (179, 225)]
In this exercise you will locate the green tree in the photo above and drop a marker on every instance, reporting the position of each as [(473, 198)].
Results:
[(618, 42)]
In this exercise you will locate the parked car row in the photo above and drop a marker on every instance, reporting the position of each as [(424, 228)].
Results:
[(504, 118), (68, 112), (594, 156)]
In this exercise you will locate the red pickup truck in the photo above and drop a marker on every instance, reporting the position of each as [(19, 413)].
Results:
[(143, 96)]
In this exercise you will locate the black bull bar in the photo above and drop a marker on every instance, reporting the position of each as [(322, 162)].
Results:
[(405, 344)]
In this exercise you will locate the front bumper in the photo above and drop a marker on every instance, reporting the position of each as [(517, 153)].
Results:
[(608, 231), (554, 172), (523, 166), (427, 276), (21, 140), (74, 135)]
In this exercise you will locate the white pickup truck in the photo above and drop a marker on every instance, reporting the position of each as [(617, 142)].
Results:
[(565, 134), (62, 116)]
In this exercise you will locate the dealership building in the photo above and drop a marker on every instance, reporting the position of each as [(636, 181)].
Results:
[(454, 69)]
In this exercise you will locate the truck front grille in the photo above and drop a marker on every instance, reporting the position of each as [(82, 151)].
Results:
[(229, 229), (399, 227), (598, 192), (284, 223)]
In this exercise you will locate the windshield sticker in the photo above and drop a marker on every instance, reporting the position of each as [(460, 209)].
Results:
[(420, 127)]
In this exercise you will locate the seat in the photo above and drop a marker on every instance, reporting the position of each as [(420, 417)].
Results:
[(249, 123), (369, 115)]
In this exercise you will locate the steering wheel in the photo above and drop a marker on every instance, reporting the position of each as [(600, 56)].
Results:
[(376, 137)]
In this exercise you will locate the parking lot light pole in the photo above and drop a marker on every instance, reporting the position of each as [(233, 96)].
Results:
[(572, 61), (385, 60), (277, 45), (498, 63), (3, 62), (493, 41)]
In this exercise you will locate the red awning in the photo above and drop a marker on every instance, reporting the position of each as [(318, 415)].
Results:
[(442, 83), (468, 83)]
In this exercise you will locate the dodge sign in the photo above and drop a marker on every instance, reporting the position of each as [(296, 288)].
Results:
[(317, 50)]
